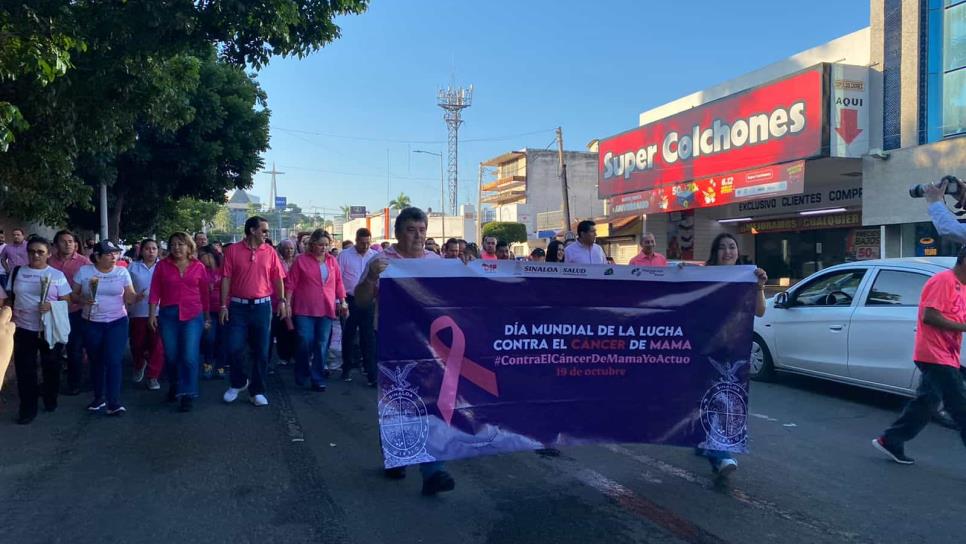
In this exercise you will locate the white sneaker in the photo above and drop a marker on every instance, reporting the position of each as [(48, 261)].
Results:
[(726, 467), (259, 400), (232, 392), (153, 384), (139, 374)]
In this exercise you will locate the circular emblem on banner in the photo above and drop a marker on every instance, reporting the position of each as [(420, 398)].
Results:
[(403, 423), (724, 414)]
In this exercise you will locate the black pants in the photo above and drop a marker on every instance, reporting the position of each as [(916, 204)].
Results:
[(26, 345), (939, 383), (286, 340), (361, 320), (75, 352)]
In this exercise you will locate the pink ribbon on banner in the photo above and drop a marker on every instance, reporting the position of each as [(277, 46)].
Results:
[(456, 365)]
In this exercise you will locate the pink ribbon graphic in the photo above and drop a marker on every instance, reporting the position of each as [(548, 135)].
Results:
[(456, 366)]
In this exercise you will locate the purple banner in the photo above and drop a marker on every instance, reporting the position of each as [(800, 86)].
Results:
[(500, 357)]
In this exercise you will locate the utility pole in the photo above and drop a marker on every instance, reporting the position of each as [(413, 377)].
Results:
[(103, 210), (563, 182), (479, 207)]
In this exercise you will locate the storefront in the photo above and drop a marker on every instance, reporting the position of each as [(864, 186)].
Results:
[(768, 165)]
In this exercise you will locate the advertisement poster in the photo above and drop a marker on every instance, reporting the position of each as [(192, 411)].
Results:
[(475, 360)]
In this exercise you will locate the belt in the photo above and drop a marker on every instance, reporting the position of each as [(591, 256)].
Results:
[(251, 300)]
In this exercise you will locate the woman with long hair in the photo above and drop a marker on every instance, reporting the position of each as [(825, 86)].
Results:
[(146, 350), (34, 286), (214, 348), (317, 298), (555, 252), (180, 289), (283, 336), (105, 289), (724, 252)]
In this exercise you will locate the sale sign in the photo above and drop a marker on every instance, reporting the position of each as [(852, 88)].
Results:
[(771, 124), (780, 179)]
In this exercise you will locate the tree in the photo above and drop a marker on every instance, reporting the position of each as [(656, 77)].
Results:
[(133, 78), (345, 209), (506, 231), (187, 215), (401, 202)]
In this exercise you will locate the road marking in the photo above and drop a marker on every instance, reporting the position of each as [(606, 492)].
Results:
[(662, 517), (739, 495)]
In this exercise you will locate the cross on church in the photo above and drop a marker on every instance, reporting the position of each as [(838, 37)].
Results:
[(274, 190)]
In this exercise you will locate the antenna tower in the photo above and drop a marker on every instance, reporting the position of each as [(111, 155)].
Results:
[(453, 101)]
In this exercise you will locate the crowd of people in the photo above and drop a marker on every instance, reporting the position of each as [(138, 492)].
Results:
[(194, 310)]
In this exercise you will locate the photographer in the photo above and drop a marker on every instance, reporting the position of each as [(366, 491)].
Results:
[(942, 218)]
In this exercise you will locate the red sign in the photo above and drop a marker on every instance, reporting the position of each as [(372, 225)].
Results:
[(775, 123), (780, 179)]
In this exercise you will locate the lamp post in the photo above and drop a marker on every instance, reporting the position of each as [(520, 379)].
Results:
[(442, 189)]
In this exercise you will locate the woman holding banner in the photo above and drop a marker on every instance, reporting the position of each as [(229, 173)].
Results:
[(724, 252)]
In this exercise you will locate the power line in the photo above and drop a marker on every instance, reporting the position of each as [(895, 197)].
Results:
[(399, 141)]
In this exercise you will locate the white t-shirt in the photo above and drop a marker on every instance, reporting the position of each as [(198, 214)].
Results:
[(109, 303), (26, 313)]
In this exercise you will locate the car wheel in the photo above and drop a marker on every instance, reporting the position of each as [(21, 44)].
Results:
[(762, 368)]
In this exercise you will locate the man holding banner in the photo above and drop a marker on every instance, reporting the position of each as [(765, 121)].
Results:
[(410, 231)]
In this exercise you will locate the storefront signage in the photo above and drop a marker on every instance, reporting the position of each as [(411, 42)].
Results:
[(771, 124), (356, 212), (830, 221), (849, 107), (838, 195), (782, 179), (865, 244)]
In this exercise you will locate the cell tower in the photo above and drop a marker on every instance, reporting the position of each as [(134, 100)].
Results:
[(453, 101)]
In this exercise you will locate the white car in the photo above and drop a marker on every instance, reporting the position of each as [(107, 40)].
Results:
[(853, 323)]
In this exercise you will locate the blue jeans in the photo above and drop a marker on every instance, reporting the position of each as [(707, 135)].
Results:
[(182, 349), (105, 344), (249, 324), (313, 342), (214, 344)]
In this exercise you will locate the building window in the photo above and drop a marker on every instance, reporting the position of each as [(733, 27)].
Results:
[(946, 80), (892, 75)]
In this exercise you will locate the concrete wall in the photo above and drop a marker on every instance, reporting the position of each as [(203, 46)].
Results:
[(885, 183), (849, 49), (543, 183)]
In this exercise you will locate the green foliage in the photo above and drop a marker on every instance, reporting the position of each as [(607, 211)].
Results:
[(187, 214), (401, 202), (506, 231), (134, 76)]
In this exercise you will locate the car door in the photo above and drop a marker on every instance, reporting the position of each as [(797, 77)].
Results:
[(883, 329), (811, 332)]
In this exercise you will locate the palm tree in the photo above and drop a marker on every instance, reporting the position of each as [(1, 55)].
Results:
[(400, 202), (345, 210)]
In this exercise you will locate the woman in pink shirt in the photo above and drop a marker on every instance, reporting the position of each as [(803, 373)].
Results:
[(314, 284), (214, 343), (180, 288)]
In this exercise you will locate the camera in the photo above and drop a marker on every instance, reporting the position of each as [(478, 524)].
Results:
[(953, 187)]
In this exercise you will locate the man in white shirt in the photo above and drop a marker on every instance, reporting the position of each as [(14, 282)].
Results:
[(585, 251), (352, 262)]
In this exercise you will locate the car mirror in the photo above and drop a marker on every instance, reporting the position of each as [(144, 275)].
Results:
[(781, 300)]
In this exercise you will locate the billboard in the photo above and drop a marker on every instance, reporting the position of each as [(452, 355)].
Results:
[(757, 183), (357, 212), (775, 123)]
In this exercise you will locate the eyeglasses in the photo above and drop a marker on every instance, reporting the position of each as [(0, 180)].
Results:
[(37, 251)]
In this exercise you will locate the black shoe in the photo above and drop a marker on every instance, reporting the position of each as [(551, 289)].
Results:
[(116, 411), (96, 405), (72, 391), (186, 403), (26, 419), (397, 473), (894, 451), (347, 375), (439, 482), (172, 393), (318, 388)]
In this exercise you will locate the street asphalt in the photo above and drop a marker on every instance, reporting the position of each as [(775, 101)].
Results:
[(307, 469)]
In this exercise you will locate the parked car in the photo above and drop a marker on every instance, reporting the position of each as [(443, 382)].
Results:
[(853, 323)]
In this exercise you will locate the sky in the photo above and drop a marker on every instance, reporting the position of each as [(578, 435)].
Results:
[(347, 119)]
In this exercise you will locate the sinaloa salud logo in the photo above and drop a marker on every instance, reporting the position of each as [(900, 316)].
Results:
[(724, 410), (403, 420)]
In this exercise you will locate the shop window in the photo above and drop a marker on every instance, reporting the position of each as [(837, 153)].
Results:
[(836, 289), (894, 288)]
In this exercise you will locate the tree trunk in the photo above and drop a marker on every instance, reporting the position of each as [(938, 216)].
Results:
[(114, 222)]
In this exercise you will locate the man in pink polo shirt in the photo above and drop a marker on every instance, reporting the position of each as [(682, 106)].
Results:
[(411, 237), (936, 353), (489, 249), (68, 260), (250, 272), (647, 256)]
